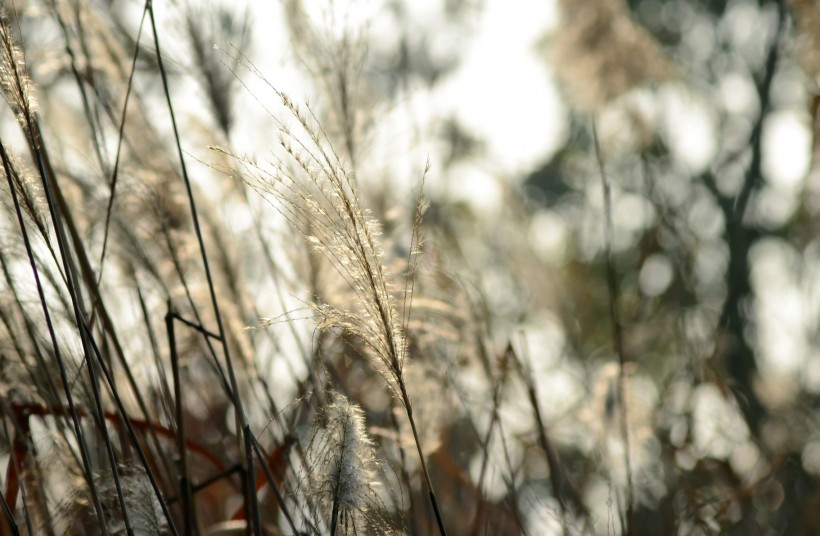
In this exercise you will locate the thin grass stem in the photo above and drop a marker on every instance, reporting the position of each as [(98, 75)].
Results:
[(240, 412), (613, 287), (87, 469), (121, 135), (189, 517)]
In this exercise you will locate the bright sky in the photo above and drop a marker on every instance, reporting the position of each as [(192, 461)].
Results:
[(503, 91)]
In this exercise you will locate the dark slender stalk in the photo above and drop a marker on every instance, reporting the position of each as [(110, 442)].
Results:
[(133, 436), (8, 510), (60, 215), (184, 480), (433, 501), (741, 236), (334, 516), (167, 397), (41, 157), (195, 326), (121, 136), (49, 389), (12, 524), (112, 458), (512, 489), (137, 424), (617, 328), (256, 520), (86, 459), (75, 293), (214, 362), (279, 497), (240, 412), (96, 132), (405, 475), (558, 479), (215, 478)]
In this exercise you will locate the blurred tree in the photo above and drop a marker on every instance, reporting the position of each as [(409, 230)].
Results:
[(724, 54)]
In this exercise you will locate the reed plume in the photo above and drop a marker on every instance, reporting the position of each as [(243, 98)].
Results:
[(343, 469), (312, 187), (15, 83)]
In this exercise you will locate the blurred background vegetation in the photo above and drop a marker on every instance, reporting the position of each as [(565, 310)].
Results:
[(616, 293)]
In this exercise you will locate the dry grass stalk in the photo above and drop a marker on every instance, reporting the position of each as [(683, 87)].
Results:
[(314, 190)]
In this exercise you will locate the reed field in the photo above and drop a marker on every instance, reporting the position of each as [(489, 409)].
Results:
[(456, 267)]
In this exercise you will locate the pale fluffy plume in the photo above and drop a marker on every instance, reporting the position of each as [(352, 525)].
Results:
[(15, 83), (343, 469), (315, 191)]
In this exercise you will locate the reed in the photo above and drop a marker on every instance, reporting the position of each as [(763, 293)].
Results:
[(327, 337)]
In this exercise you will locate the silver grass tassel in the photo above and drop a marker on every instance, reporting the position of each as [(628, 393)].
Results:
[(343, 469)]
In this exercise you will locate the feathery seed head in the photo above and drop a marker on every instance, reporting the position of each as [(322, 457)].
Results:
[(316, 192), (15, 83), (343, 465)]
